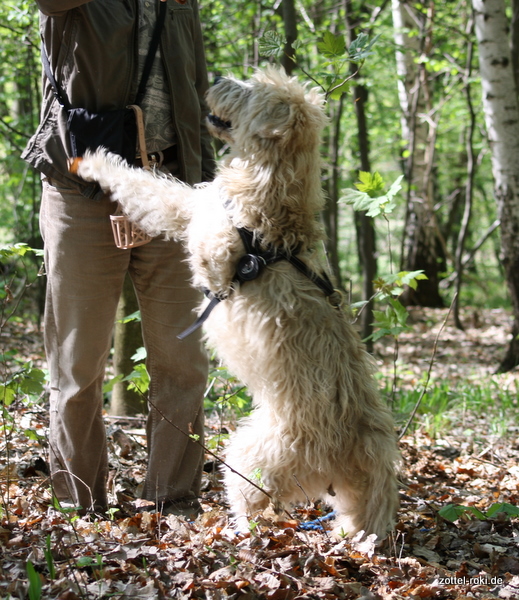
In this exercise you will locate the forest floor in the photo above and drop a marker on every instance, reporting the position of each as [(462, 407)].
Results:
[(465, 459)]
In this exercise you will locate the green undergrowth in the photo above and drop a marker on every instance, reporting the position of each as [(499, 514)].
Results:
[(472, 409), (467, 408)]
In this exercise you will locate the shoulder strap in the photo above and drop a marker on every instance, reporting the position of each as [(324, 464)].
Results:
[(58, 92), (154, 44)]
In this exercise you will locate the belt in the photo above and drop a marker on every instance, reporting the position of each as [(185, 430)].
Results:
[(159, 158)]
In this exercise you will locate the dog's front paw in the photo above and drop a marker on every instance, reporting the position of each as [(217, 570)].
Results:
[(73, 165), (94, 166)]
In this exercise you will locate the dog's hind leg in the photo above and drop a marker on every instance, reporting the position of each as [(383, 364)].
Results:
[(253, 453), (244, 498), (368, 499)]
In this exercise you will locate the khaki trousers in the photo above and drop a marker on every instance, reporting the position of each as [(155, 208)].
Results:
[(85, 274)]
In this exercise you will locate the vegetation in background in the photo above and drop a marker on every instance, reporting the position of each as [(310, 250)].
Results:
[(462, 433)]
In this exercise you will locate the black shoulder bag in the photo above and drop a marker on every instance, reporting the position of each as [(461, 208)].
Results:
[(115, 130)]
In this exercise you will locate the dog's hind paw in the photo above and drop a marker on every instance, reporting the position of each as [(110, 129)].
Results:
[(241, 525)]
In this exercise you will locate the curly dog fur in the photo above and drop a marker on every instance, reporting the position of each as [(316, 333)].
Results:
[(318, 428)]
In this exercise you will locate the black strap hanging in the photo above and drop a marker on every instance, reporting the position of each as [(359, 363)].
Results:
[(154, 44)]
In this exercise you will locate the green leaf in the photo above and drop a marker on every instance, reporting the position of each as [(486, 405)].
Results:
[(139, 378), (35, 585), (400, 311), (32, 382), (359, 304), (140, 354), (359, 200), (109, 385), (503, 507), (395, 188), (344, 88), (14, 250), (370, 183), (271, 44), (452, 512), (32, 434), (7, 394), (85, 561), (332, 46), (410, 278), (135, 316), (366, 198), (361, 47), (49, 558)]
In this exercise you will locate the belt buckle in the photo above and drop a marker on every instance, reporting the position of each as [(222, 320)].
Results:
[(156, 159)]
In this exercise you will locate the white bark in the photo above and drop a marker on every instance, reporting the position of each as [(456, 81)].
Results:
[(420, 234), (498, 85), (408, 48), (501, 109)]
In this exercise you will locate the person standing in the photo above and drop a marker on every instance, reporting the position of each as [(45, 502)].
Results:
[(96, 51)]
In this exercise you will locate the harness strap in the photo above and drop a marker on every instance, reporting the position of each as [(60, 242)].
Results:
[(250, 266), (323, 282)]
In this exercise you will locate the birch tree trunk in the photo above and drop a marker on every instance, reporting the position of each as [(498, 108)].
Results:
[(501, 109), (421, 245)]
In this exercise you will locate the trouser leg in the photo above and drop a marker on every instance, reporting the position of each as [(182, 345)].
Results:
[(85, 277), (178, 370), (85, 273)]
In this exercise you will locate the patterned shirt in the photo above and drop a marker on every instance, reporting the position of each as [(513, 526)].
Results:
[(156, 104)]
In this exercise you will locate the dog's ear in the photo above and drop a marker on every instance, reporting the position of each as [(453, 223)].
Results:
[(273, 121)]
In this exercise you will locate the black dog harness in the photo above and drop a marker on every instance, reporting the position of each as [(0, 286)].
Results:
[(250, 266)]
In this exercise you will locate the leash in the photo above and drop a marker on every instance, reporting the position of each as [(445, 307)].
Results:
[(250, 266)]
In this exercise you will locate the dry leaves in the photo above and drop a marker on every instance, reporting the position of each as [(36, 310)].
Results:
[(134, 555)]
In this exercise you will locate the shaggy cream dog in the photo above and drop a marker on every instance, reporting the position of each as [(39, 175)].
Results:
[(318, 428)]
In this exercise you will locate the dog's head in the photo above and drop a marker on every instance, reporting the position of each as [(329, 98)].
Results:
[(269, 111)]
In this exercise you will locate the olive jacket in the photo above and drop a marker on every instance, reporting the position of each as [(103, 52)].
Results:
[(93, 53)]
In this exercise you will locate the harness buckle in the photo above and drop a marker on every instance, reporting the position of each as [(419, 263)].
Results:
[(249, 267), (336, 298)]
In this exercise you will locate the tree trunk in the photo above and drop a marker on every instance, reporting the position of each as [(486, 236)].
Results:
[(366, 240), (330, 214), (422, 248), (471, 171), (501, 109), (365, 228), (290, 24), (127, 339), (515, 41)]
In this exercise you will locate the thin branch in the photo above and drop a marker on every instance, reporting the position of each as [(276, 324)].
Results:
[(429, 371), (210, 452)]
